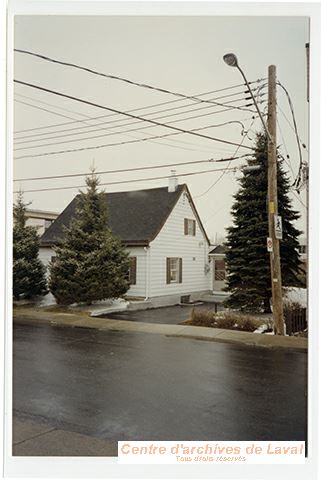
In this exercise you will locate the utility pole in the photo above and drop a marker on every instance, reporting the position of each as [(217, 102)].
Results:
[(276, 277)]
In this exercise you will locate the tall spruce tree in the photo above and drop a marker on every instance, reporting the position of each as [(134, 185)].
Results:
[(90, 264), (29, 278), (247, 259)]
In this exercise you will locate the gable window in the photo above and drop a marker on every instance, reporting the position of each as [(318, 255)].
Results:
[(132, 270), (174, 270), (189, 227)]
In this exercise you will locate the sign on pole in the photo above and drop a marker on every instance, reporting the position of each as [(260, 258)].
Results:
[(278, 227), (269, 244)]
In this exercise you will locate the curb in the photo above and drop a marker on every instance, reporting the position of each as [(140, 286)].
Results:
[(38, 317)]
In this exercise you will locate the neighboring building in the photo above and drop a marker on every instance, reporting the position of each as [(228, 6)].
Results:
[(164, 236), (40, 219), (217, 256)]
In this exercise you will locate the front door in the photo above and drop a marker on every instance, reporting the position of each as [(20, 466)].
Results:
[(219, 274)]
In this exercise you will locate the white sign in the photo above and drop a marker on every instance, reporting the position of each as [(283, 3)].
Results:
[(269, 244), (278, 227)]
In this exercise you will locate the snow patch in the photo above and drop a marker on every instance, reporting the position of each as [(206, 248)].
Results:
[(297, 295)]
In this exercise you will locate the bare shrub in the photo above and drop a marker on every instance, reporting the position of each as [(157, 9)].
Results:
[(226, 320)]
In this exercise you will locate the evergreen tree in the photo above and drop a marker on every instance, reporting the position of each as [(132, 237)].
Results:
[(247, 258), (90, 264), (29, 277)]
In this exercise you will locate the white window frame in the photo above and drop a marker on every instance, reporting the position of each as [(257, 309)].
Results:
[(174, 269)]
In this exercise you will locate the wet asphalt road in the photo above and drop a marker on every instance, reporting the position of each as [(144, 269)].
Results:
[(133, 386), (168, 315)]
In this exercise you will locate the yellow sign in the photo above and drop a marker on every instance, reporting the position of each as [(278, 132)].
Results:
[(271, 207)]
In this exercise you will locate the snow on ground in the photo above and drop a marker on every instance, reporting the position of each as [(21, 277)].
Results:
[(297, 295)]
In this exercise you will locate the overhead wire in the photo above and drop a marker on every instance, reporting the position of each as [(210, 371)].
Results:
[(153, 122), (130, 111), (123, 170), (223, 173), (106, 145), (114, 77), (64, 130), (124, 181), (118, 132)]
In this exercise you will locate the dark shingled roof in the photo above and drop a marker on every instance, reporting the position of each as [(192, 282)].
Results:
[(219, 249), (136, 217)]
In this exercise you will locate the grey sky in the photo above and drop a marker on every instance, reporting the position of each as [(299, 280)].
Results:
[(182, 54)]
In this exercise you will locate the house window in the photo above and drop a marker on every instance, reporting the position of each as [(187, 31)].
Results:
[(219, 270), (174, 270), (189, 227), (132, 270)]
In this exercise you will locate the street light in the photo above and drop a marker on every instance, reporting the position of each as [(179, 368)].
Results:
[(231, 60)]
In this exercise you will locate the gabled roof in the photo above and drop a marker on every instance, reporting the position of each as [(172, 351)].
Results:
[(136, 217), (218, 250)]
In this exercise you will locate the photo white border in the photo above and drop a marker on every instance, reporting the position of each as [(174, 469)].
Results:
[(90, 467)]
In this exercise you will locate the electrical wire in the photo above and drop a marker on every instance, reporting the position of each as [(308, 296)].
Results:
[(129, 111), (125, 142), (123, 170), (114, 77), (121, 126), (38, 87), (223, 173), (107, 116), (118, 132), (298, 180), (125, 181)]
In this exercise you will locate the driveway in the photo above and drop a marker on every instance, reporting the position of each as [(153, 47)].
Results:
[(168, 315), (135, 386)]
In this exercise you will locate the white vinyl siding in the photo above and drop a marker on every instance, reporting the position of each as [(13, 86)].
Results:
[(171, 242), (45, 254)]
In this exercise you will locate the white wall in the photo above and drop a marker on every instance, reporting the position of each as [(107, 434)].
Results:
[(138, 290), (171, 242), (39, 223), (45, 254)]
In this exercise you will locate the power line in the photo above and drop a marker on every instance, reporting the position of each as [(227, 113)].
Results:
[(114, 77), (43, 109), (129, 111), (21, 140), (150, 167), (48, 104), (125, 181), (129, 114), (222, 175), (203, 149), (107, 116), (193, 117), (125, 142)]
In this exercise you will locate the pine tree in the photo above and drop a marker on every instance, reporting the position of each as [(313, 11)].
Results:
[(29, 278), (90, 264), (247, 259)]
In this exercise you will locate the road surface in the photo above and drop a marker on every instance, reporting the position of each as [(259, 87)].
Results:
[(137, 386)]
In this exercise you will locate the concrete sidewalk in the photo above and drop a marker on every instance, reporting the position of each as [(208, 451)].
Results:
[(84, 320), (36, 439)]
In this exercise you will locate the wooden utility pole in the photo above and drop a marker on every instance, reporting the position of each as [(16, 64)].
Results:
[(276, 277)]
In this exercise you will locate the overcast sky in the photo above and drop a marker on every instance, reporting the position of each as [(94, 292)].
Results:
[(180, 54)]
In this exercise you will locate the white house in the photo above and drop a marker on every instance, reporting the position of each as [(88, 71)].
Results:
[(40, 219), (165, 238)]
